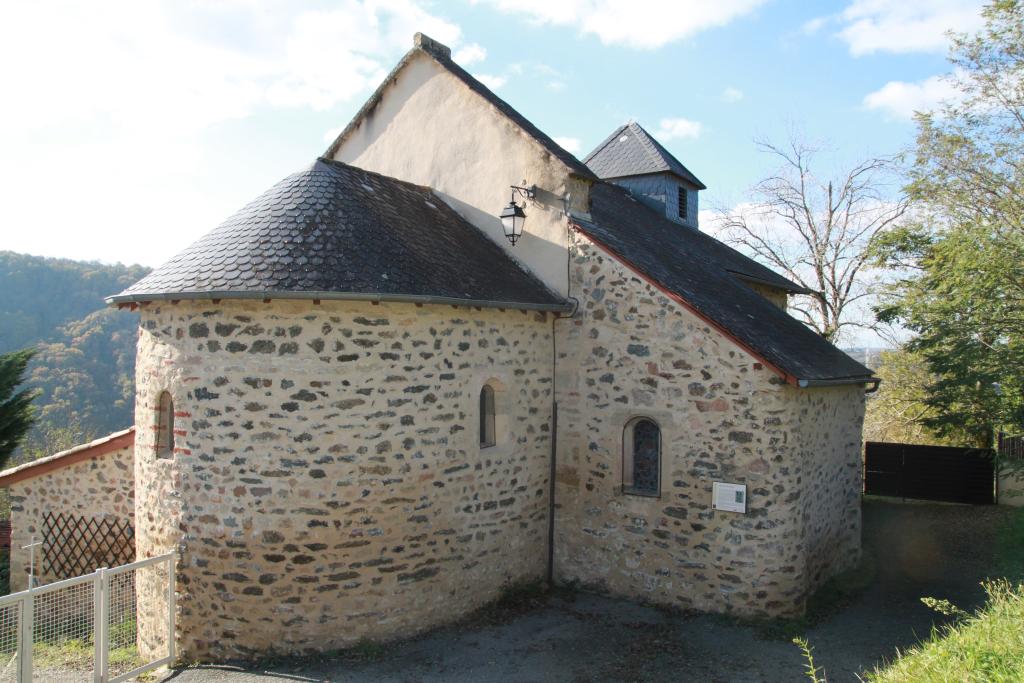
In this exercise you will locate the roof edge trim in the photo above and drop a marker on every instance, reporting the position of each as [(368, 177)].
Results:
[(838, 382), (137, 298), (72, 456), (667, 171)]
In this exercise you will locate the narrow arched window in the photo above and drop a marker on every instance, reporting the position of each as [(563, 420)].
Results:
[(165, 426), (487, 434), (641, 462)]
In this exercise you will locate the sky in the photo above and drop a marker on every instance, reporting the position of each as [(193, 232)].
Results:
[(130, 128)]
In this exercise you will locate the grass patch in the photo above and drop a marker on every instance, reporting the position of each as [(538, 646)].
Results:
[(1009, 550), (79, 655), (366, 651), (985, 646), (833, 596)]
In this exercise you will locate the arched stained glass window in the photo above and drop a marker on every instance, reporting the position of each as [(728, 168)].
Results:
[(641, 467)]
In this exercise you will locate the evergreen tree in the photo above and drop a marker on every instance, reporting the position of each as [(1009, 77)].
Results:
[(16, 412)]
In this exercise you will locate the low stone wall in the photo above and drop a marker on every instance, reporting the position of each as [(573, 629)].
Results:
[(97, 484), (1010, 485), (328, 484), (631, 351)]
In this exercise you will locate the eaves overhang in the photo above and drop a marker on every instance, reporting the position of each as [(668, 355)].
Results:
[(139, 298)]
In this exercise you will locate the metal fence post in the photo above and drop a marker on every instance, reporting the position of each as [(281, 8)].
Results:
[(25, 638), (102, 602), (170, 608)]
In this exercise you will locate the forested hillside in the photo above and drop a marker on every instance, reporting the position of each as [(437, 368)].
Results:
[(86, 351)]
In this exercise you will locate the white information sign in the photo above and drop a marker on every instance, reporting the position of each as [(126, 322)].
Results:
[(729, 497)]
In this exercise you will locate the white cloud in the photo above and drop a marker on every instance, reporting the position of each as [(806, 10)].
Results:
[(138, 64), (644, 25), (492, 81), (677, 128), (812, 26), (732, 95), (571, 145), (555, 86), (470, 54), (900, 99), (870, 26), (128, 92)]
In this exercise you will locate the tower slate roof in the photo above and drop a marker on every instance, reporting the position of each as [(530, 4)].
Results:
[(631, 151), (334, 231)]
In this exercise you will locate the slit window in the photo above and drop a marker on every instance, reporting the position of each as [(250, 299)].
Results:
[(487, 433), (641, 467), (165, 426), (682, 202)]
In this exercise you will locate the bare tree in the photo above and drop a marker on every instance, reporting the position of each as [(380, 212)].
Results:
[(818, 231)]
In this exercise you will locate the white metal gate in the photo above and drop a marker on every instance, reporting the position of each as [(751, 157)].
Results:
[(85, 628)]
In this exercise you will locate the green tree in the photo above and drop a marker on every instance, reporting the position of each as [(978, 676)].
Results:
[(16, 412), (84, 365), (898, 410), (963, 256)]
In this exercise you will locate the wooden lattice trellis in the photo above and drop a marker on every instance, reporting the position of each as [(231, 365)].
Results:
[(74, 545)]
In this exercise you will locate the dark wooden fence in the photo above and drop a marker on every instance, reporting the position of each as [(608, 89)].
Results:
[(955, 475)]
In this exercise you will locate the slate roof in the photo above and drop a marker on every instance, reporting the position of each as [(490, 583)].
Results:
[(630, 151), (337, 231), (443, 56), (660, 250)]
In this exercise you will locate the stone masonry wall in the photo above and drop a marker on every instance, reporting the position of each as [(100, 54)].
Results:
[(100, 487), (631, 351), (328, 484), (830, 456)]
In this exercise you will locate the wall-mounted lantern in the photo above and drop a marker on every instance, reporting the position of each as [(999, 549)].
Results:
[(512, 216)]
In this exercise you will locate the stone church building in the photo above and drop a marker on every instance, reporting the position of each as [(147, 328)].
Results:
[(362, 411)]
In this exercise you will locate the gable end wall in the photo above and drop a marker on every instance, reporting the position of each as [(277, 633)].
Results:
[(429, 128), (631, 351)]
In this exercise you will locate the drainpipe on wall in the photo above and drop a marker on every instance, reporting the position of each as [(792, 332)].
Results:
[(551, 481), (552, 469)]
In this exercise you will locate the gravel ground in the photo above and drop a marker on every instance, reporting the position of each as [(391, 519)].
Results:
[(941, 551)]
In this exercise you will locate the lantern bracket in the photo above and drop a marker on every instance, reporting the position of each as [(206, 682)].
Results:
[(524, 192)]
